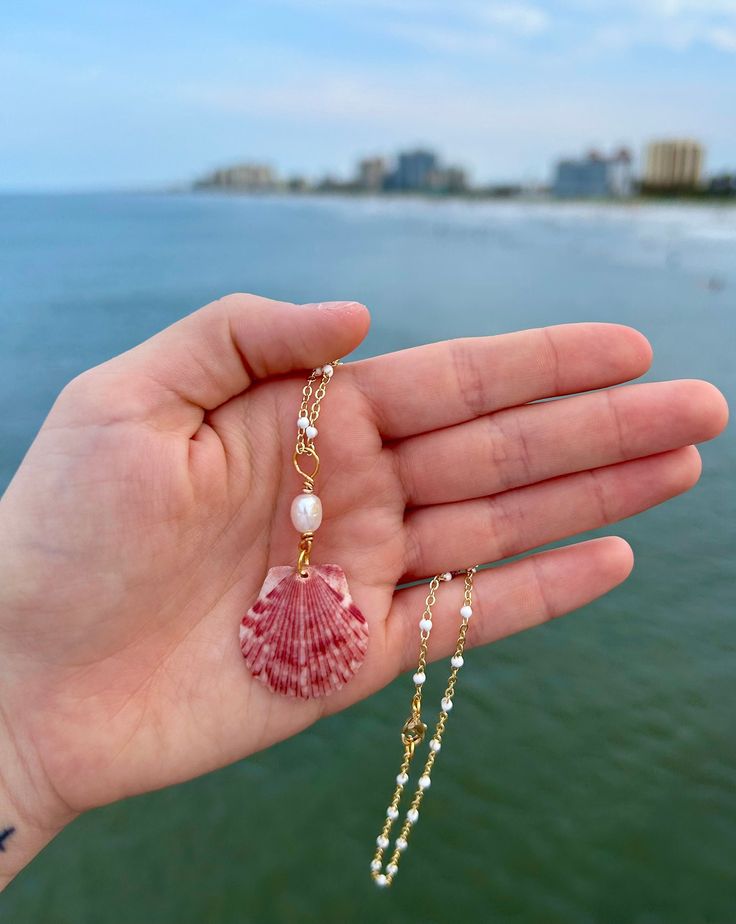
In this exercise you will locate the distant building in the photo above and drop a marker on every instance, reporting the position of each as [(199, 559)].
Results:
[(251, 177), (372, 173), (448, 180), (594, 176), (297, 184), (673, 164), (414, 170), (723, 185)]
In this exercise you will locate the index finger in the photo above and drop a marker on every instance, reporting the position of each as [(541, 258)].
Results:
[(441, 384)]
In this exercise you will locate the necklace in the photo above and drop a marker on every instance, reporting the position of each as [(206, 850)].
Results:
[(412, 734), (304, 636)]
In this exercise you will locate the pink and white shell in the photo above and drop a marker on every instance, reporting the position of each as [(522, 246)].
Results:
[(304, 636)]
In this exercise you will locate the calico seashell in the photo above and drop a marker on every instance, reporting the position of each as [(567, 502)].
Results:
[(304, 636)]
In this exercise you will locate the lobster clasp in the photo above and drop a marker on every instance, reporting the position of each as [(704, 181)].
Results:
[(413, 732)]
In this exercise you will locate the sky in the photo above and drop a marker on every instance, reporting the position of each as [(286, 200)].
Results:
[(101, 94)]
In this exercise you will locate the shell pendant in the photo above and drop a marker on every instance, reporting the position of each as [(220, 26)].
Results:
[(304, 636)]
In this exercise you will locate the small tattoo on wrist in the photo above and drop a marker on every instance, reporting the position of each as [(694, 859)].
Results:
[(4, 835)]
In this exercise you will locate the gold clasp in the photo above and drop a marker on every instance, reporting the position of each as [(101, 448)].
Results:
[(413, 732)]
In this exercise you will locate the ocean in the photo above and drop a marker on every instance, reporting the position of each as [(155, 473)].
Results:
[(589, 772)]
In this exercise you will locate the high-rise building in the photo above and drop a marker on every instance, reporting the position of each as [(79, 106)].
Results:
[(594, 176), (674, 164), (414, 170), (372, 173)]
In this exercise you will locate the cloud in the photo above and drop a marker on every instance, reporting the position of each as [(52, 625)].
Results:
[(676, 25), (474, 28), (452, 41), (723, 38), (460, 26), (520, 18), (675, 35)]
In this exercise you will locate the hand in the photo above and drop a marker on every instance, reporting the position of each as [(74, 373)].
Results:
[(142, 522)]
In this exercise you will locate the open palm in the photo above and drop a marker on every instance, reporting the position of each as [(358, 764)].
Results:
[(141, 524)]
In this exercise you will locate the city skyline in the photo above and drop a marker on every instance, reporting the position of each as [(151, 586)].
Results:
[(668, 167), (120, 95)]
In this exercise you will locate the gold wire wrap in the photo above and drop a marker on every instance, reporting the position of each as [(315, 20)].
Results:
[(413, 733), (308, 477)]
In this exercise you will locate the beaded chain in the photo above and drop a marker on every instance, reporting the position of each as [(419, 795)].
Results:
[(414, 730), (307, 420)]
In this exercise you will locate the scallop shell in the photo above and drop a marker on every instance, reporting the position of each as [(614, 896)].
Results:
[(304, 636)]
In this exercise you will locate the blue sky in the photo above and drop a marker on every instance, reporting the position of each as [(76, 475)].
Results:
[(122, 94)]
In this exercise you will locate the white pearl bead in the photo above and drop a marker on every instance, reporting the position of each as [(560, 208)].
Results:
[(447, 576), (402, 779), (382, 841), (311, 432), (424, 782), (303, 423), (446, 704), (375, 865), (401, 843), (434, 745), (412, 815), (392, 869), (328, 371), (466, 611), (381, 880), (425, 625), (306, 512), (419, 678), (318, 370), (457, 661), (393, 813)]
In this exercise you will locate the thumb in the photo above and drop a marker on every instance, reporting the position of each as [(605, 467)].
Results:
[(216, 353)]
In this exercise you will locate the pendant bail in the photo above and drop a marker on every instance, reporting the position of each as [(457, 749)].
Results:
[(305, 550)]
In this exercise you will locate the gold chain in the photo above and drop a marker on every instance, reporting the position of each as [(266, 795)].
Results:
[(414, 730), (309, 411), (312, 395)]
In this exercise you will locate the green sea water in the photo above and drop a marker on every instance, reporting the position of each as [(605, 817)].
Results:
[(589, 770)]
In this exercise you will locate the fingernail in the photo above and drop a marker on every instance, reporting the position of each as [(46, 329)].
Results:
[(333, 306)]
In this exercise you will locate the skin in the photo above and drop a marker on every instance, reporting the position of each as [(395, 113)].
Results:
[(142, 522)]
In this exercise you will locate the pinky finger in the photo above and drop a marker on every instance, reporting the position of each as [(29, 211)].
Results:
[(510, 598)]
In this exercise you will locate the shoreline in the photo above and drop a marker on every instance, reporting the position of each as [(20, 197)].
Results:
[(634, 202)]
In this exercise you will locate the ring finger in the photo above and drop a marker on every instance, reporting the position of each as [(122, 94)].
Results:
[(506, 524)]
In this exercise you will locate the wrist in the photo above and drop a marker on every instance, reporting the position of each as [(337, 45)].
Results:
[(31, 813)]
